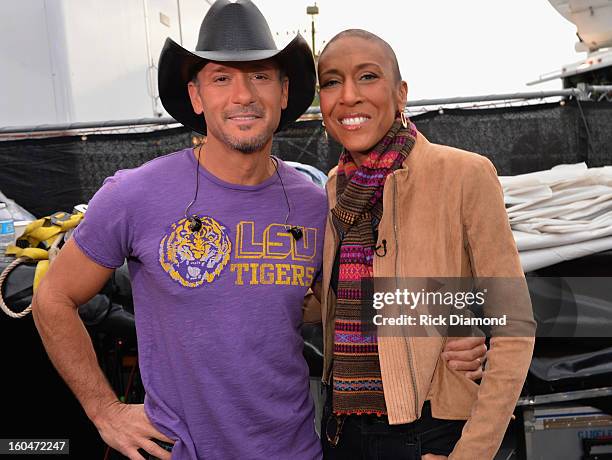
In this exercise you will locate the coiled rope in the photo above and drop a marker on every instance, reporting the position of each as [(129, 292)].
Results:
[(3, 276)]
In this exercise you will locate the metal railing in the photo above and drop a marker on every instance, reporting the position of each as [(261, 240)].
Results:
[(582, 92)]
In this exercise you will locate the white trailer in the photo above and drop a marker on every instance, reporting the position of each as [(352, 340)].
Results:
[(593, 21), (66, 61)]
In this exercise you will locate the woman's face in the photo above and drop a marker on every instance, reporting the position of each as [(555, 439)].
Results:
[(359, 94)]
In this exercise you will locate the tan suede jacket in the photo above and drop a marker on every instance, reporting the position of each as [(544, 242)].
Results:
[(443, 215)]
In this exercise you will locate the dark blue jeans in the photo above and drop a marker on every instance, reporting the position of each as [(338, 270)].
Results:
[(369, 437), (163, 445)]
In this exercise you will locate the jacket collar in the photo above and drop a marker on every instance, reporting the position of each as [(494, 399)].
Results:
[(411, 160)]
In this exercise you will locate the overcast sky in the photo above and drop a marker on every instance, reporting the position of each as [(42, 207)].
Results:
[(447, 47)]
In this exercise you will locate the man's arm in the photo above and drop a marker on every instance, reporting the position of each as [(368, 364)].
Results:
[(71, 281), (311, 309)]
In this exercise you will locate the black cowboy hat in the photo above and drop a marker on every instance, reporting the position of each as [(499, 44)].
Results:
[(233, 32)]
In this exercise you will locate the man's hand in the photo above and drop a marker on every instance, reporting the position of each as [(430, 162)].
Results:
[(466, 354), (126, 428)]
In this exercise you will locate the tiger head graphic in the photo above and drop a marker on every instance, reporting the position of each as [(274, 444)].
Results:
[(193, 258)]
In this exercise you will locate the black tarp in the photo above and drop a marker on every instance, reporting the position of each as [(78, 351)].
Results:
[(564, 364)]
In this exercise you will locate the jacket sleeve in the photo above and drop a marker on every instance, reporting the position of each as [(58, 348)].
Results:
[(493, 255)]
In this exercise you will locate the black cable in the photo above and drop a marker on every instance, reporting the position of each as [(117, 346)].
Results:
[(195, 222), (197, 173), (586, 127), (274, 162)]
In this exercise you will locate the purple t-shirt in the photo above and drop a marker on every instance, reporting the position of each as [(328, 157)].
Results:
[(218, 312)]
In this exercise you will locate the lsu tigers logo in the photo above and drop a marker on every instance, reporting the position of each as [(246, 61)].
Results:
[(192, 258)]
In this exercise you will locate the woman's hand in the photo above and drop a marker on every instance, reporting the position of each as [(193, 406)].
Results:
[(466, 354)]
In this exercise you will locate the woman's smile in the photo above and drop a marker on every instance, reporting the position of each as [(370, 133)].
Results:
[(354, 122)]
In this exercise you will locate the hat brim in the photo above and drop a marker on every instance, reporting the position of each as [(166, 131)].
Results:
[(176, 65)]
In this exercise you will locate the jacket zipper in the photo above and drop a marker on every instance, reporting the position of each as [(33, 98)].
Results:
[(327, 381), (408, 348)]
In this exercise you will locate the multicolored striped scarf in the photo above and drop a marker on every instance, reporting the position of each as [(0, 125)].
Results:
[(357, 381)]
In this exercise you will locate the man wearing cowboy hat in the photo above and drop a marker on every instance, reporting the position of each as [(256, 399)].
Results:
[(222, 241)]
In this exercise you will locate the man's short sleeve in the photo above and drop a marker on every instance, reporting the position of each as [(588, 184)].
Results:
[(104, 233)]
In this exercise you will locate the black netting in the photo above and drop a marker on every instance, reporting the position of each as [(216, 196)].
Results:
[(46, 175), (305, 142), (526, 139)]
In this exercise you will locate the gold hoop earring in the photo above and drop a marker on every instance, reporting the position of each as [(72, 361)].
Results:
[(324, 130), (404, 120)]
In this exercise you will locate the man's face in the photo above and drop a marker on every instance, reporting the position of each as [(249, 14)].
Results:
[(241, 102)]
